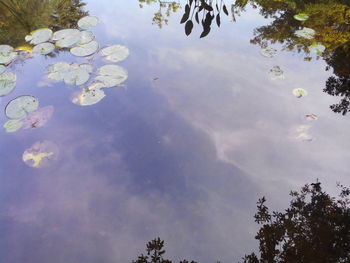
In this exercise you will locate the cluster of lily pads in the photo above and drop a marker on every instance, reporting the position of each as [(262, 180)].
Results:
[(24, 112), (277, 73)]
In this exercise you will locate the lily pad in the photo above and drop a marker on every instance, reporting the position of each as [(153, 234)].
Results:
[(111, 75), (7, 83), (89, 95), (276, 73), (2, 69), (115, 53), (301, 17), (86, 37), (318, 48), (299, 92), (19, 107), (306, 32), (39, 36), (7, 54), (311, 117), (88, 21), (67, 38), (44, 48), (38, 118), (13, 125), (41, 154), (72, 74), (85, 49), (268, 52)]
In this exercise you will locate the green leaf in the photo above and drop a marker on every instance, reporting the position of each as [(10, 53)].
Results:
[(188, 27)]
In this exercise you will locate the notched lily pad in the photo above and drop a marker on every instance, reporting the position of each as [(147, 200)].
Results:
[(268, 52), (39, 36), (276, 73), (67, 38), (317, 48), (85, 50), (88, 21), (86, 37), (115, 53), (2, 69), (44, 48), (301, 17), (306, 32), (72, 74), (111, 75), (19, 107), (13, 125), (7, 54), (41, 154), (89, 95), (7, 83), (299, 92), (38, 118)]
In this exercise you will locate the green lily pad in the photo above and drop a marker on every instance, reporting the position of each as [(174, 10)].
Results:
[(301, 17), (268, 52), (111, 75), (44, 48), (7, 54), (306, 32), (41, 154), (13, 125), (89, 95), (115, 53), (299, 92), (39, 36), (38, 118), (7, 83), (86, 37), (72, 74), (85, 49), (2, 69), (67, 38), (318, 48), (88, 21), (19, 107), (276, 73)]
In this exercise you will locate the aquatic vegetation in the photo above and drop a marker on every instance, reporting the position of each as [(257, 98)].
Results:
[(317, 48), (72, 74), (89, 95), (19, 107), (44, 48), (305, 32), (115, 53), (7, 83), (111, 75), (7, 54), (13, 125), (88, 21), (40, 154), (85, 50), (276, 73), (301, 17), (299, 92), (268, 52), (67, 38), (39, 36)]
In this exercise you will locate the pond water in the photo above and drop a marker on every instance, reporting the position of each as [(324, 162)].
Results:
[(182, 150)]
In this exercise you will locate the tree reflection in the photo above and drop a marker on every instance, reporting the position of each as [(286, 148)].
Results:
[(19, 17)]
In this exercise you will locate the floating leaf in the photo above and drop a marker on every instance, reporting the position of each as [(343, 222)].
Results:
[(111, 75), (44, 48), (72, 74), (311, 117), (40, 154), (306, 32), (39, 36), (88, 21), (38, 118), (19, 107), (86, 37), (299, 92), (268, 52), (13, 125), (318, 48), (2, 69), (276, 73), (85, 49), (89, 95), (7, 83), (67, 38), (301, 17), (115, 53), (7, 54)]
